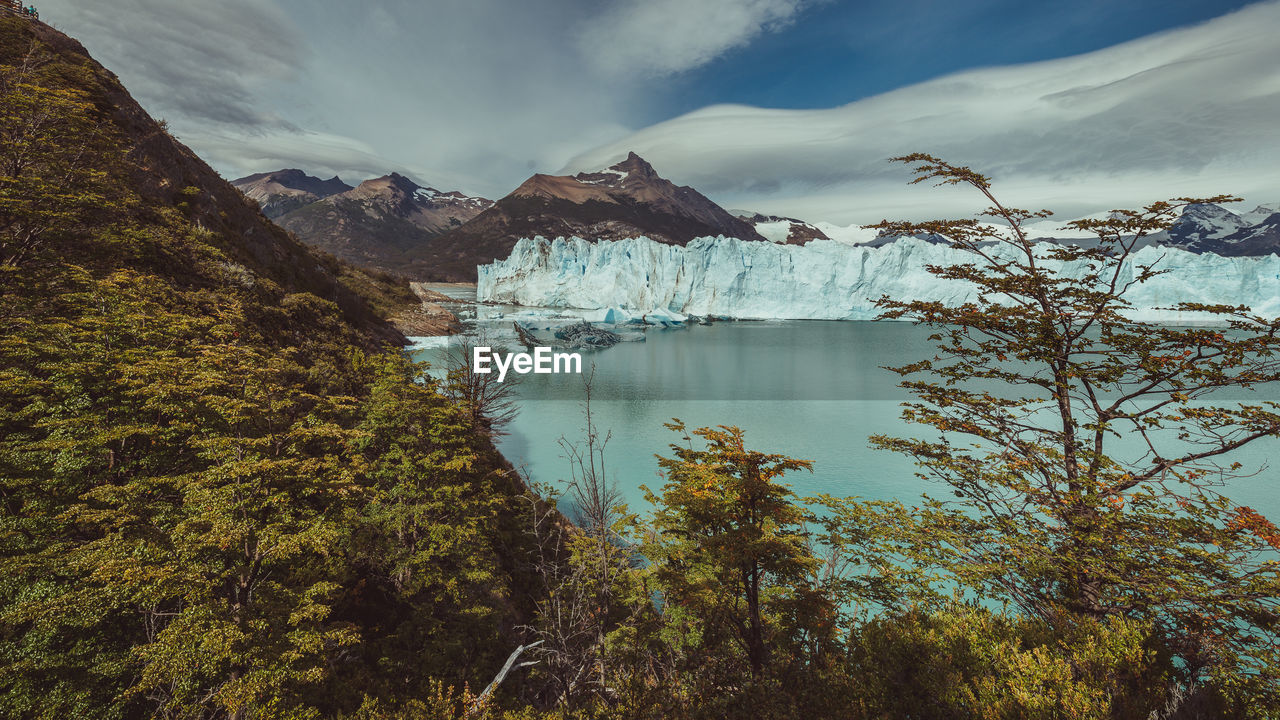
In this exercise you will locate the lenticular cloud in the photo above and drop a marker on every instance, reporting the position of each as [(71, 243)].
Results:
[(1189, 111)]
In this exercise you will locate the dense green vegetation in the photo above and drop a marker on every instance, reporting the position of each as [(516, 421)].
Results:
[(222, 494), (225, 495)]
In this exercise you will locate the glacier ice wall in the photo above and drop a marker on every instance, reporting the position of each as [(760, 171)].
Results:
[(820, 280)]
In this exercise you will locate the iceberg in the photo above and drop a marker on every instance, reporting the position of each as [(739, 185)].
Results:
[(586, 335), (822, 280)]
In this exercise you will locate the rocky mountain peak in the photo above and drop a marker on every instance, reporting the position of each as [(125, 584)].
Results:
[(628, 199), (290, 180), (392, 183), (382, 221), (634, 173), (281, 191), (1204, 221), (1209, 211), (286, 175), (636, 166)]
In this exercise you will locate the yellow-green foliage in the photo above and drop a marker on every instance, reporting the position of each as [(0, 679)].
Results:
[(969, 662), (220, 497)]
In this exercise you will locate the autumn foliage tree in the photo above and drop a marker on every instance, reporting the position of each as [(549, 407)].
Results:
[(734, 572), (724, 517), (1086, 451)]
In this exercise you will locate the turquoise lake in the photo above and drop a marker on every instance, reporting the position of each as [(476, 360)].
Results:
[(814, 390)]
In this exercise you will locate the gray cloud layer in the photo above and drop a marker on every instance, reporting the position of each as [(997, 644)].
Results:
[(191, 59)]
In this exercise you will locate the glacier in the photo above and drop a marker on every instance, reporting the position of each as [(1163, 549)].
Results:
[(821, 280)]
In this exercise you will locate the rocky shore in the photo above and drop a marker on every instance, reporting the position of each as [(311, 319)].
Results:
[(429, 318)]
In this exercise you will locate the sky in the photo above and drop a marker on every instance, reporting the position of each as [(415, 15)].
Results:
[(782, 106)]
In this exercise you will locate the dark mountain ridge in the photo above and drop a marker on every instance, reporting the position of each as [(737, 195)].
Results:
[(1201, 228), (1219, 230), (377, 224), (282, 191)]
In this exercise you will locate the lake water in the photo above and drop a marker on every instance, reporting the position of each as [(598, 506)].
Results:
[(814, 390)]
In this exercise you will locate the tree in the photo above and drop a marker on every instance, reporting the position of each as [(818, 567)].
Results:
[(587, 570), (966, 662), (426, 579), (490, 403), (595, 502), (218, 498), (729, 548), (1089, 484), (177, 493)]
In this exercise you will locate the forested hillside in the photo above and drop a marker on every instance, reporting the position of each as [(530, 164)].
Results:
[(224, 487)]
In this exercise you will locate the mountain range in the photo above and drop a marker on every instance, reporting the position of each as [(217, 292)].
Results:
[(1216, 229), (383, 223), (623, 200), (282, 191), (392, 224)]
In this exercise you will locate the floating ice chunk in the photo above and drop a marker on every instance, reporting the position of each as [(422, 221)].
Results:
[(584, 334), (665, 318), (615, 316)]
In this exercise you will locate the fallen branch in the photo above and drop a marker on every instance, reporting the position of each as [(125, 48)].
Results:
[(502, 674)]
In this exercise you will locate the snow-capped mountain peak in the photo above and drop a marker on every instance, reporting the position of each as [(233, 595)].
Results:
[(778, 229), (627, 199), (1204, 221), (1260, 213)]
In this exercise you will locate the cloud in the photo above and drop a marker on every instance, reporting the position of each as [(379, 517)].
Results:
[(192, 62), (468, 95), (317, 153), (477, 95), (1186, 111), (662, 37)]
